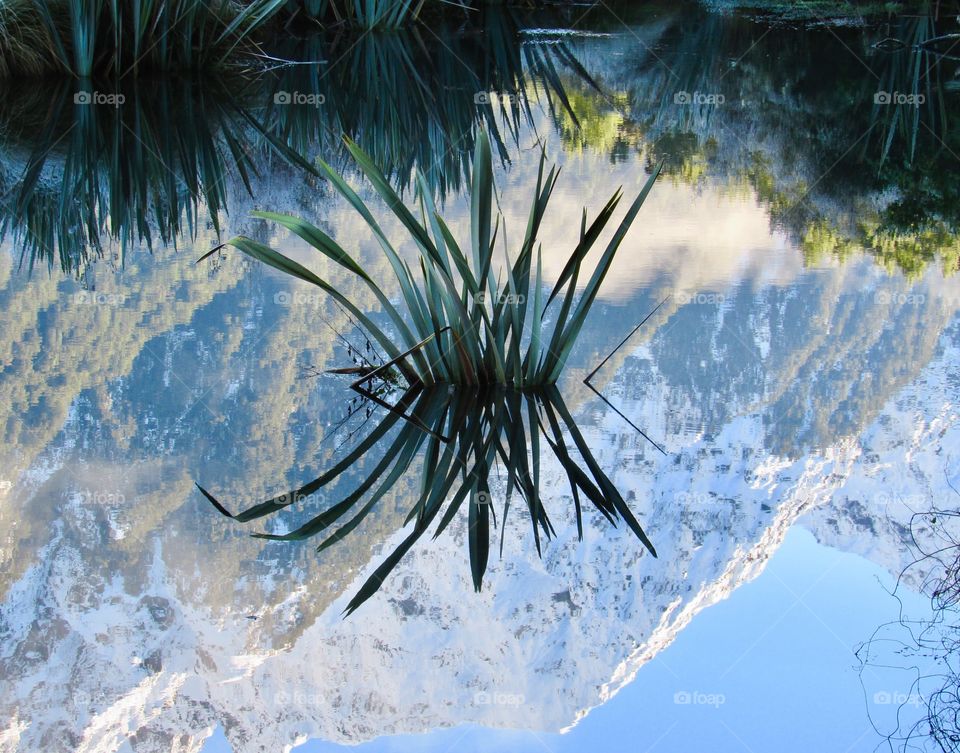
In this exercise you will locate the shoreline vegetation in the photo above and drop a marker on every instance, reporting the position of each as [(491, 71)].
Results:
[(85, 184), (88, 38)]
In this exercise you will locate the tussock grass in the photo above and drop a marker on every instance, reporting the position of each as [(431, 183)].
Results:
[(460, 322), (460, 437)]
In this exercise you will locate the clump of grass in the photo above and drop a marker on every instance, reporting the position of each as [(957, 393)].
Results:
[(460, 437), (464, 324), (105, 37)]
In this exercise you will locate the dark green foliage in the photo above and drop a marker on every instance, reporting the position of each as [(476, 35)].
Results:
[(464, 323), (459, 435)]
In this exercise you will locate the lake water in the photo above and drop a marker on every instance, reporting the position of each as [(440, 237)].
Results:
[(785, 426)]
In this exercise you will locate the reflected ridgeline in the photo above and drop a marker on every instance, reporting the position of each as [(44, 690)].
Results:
[(464, 440)]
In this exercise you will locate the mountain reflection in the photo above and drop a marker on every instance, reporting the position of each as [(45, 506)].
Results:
[(803, 373)]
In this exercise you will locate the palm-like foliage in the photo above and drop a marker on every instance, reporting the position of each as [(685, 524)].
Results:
[(459, 436), (462, 323)]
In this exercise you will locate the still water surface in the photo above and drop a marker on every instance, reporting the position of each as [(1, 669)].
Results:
[(800, 377)]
